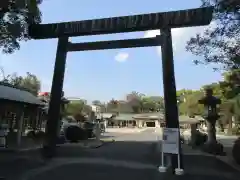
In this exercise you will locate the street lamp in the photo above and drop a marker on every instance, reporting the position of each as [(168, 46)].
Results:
[(211, 115)]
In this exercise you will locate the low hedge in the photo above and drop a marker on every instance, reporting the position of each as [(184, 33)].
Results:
[(75, 133)]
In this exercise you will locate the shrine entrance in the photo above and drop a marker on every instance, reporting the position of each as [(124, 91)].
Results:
[(163, 21)]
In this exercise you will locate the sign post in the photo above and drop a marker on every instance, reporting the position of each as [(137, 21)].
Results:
[(170, 140), (171, 145)]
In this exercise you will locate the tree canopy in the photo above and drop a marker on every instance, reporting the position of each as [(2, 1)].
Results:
[(219, 43), (77, 108), (30, 82), (15, 16)]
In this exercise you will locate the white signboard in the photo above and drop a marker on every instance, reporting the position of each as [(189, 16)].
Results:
[(170, 143)]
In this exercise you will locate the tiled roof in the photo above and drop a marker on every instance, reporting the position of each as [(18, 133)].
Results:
[(154, 115), (124, 117), (14, 94), (106, 115)]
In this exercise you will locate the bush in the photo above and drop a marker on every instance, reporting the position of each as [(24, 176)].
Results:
[(201, 138), (39, 135), (236, 151), (75, 133)]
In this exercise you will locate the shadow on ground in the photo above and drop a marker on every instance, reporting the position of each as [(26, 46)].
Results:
[(13, 164), (196, 166), (119, 150), (93, 172)]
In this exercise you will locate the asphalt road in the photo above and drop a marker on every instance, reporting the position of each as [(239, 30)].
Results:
[(130, 156), (147, 135), (135, 147)]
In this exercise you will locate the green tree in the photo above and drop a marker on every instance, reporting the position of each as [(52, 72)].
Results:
[(113, 106), (219, 44), (29, 82), (15, 17), (152, 103), (124, 107), (236, 110), (217, 89), (148, 104), (231, 84), (135, 100), (191, 106), (74, 108), (78, 107), (182, 94), (32, 83)]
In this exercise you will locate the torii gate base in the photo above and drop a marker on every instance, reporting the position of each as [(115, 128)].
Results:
[(162, 21)]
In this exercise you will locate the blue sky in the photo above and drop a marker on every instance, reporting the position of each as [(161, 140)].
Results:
[(110, 74)]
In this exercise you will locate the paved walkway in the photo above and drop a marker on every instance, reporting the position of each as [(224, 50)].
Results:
[(92, 168), (127, 158), (13, 165), (95, 171), (125, 130)]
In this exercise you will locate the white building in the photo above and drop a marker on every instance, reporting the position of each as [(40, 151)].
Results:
[(96, 109)]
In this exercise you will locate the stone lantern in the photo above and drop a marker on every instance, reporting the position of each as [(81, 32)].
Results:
[(211, 116)]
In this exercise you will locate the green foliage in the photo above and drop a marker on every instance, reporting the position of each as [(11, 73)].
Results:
[(227, 90), (191, 106), (30, 82), (236, 107), (141, 103), (219, 44), (231, 84), (135, 103), (77, 107), (14, 20), (112, 106)]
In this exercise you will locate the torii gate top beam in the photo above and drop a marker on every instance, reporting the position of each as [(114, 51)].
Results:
[(143, 22)]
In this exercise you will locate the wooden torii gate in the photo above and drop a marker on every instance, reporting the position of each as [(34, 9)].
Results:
[(163, 21)]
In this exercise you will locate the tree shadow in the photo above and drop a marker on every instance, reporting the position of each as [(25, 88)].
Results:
[(144, 152)]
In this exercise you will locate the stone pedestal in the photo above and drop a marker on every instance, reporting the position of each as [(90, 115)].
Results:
[(212, 146)]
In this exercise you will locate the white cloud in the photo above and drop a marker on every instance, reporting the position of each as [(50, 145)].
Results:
[(180, 36), (121, 57)]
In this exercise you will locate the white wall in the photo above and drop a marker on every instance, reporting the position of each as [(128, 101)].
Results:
[(95, 108)]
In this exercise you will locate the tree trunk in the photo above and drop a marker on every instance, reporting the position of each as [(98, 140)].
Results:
[(231, 120)]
